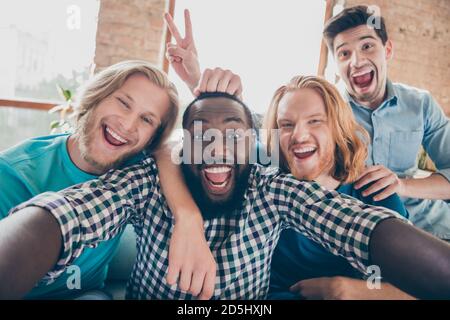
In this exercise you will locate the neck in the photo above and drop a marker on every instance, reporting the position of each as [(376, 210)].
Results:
[(75, 154), (328, 182), (377, 101)]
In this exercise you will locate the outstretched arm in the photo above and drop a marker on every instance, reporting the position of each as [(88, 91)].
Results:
[(48, 232), (408, 258), (33, 234)]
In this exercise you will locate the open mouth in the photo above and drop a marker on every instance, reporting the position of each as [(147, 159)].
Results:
[(112, 137), (217, 177), (364, 79), (304, 152)]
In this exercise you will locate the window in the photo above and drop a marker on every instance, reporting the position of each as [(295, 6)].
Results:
[(45, 43), (264, 42)]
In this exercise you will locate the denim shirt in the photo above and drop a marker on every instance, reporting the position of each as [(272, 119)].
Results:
[(407, 119)]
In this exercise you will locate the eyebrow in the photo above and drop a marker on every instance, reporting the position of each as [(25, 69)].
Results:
[(361, 38), (233, 119)]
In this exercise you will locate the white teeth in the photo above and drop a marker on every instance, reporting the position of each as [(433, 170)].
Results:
[(304, 150), (361, 73), (218, 169), (115, 135), (223, 184)]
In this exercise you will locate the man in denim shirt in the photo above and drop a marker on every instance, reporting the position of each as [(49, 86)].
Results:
[(398, 118)]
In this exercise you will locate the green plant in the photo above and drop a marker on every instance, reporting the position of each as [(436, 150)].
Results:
[(65, 110)]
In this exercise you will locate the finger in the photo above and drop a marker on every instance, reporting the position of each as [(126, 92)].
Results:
[(298, 286), (185, 279), (235, 85), (370, 177), (386, 193), (213, 80), (203, 81), (173, 28), (188, 26), (366, 171), (208, 286), (379, 185), (369, 169), (224, 81), (197, 283), (176, 51), (172, 273)]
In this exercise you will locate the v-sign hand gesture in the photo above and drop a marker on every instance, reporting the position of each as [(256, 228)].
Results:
[(183, 55)]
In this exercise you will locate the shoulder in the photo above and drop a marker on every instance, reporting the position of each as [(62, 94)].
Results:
[(31, 149), (409, 94), (286, 185)]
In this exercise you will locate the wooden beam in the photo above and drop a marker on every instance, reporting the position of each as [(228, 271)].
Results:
[(28, 104), (168, 36), (323, 47)]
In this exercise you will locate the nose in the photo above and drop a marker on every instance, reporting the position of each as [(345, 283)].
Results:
[(220, 150), (300, 134), (357, 59), (130, 122)]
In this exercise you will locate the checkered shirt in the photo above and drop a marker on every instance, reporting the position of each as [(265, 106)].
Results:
[(242, 243)]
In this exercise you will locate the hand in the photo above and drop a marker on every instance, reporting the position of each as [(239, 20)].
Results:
[(335, 288), (219, 80), (183, 55), (191, 260), (385, 179), (342, 288)]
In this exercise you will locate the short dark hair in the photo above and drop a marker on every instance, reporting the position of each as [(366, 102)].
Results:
[(207, 95), (350, 18)]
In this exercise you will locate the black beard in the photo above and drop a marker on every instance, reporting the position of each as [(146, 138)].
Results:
[(214, 209)]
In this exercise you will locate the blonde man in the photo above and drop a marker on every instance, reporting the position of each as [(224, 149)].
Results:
[(319, 141), (124, 111)]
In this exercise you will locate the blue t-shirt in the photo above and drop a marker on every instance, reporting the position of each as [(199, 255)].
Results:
[(43, 164), (298, 258)]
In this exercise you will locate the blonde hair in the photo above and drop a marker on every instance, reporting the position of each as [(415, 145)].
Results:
[(104, 83), (350, 138)]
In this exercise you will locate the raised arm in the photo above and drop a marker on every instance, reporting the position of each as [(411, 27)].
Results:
[(366, 235), (183, 55)]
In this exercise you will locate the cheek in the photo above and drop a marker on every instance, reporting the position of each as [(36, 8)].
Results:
[(145, 135)]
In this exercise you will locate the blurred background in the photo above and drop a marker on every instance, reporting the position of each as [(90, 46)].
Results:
[(51, 43)]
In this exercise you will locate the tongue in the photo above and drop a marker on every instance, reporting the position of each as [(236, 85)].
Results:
[(304, 155), (217, 177), (363, 80), (111, 139)]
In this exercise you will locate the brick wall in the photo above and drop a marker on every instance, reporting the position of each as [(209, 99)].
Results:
[(132, 29), (420, 30)]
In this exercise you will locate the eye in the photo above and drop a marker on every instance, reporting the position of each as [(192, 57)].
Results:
[(367, 46), (147, 120), (234, 136), (343, 54), (123, 103), (286, 125)]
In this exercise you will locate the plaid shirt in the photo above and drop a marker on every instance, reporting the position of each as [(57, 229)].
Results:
[(242, 244)]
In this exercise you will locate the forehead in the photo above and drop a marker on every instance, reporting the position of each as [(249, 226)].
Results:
[(354, 35), (217, 111), (301, 102)]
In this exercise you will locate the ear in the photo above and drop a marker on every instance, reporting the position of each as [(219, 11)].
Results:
[(389, 49)]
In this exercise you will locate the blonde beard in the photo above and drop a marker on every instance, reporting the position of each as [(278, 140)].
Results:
[(85, 131), (325, 165)]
